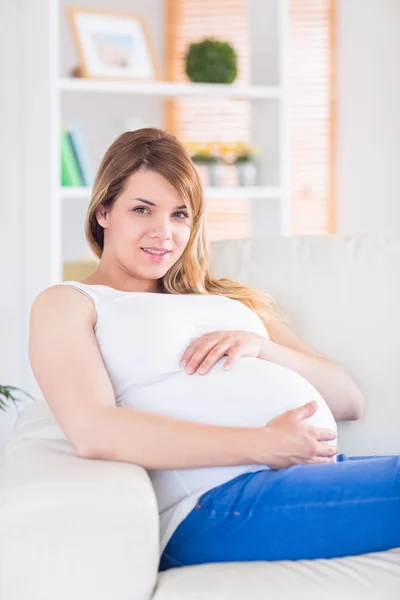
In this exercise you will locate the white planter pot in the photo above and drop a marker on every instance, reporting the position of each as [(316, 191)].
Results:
[(202, 170), (247, 173), (216, 174)]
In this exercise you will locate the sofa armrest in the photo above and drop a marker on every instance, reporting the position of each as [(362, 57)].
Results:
[(72, 527)]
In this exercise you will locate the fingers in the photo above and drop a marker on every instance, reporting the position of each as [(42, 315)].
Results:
[(190, 350), (325, 435), (235, 352), (307, 410), (206, 356), (204, 352), (325, 450), (200, 352), (213, 357)]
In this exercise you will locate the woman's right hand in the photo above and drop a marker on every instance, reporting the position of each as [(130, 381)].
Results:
[(288, 440)]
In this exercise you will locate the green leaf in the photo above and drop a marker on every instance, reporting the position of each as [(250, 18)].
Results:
[(7, 396)]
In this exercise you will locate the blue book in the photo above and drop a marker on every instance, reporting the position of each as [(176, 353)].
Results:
[(82, 158)]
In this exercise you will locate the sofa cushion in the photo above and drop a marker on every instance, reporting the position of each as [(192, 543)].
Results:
[(369, 576)]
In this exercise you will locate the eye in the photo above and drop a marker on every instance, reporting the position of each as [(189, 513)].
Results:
[(139, 209), (181, 212)]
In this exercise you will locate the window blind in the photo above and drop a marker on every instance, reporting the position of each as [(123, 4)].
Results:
[(312, 110)]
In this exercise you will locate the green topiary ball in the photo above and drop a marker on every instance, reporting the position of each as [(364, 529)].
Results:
[(211, 61)]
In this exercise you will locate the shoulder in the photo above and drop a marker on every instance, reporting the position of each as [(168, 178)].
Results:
[(63, 302), (60, 294)]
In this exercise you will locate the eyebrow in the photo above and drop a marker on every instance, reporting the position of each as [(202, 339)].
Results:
[(153, 203)]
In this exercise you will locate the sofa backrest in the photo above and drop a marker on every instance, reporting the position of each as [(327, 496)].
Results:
[(342, 295)]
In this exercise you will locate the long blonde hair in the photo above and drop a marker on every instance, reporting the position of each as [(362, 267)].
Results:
[(151, 149)]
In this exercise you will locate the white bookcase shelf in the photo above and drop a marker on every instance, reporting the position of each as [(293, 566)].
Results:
[(168, 89)]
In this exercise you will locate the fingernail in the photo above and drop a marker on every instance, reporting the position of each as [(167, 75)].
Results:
[(189, 370), (227, 367), (201, 371)]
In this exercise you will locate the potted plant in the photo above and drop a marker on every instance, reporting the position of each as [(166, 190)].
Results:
[(245, 161), (211, 61), (207, 160), (7, 395)]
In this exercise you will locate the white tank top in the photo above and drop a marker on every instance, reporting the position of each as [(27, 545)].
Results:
[(142, 337)]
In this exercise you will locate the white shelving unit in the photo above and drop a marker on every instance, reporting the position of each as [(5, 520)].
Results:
[(54, 214)]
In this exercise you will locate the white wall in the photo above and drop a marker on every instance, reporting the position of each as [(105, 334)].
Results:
[(11, 214), (369, 116)]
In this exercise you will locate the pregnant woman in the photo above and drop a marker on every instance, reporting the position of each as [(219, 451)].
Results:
[(201, 381)]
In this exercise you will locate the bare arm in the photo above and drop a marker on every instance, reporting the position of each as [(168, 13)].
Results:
[(160, 442), (69, 369)]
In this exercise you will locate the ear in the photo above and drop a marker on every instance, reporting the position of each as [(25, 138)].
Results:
[(101, 216)]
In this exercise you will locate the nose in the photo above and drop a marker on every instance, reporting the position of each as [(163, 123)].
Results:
[(161, 228)]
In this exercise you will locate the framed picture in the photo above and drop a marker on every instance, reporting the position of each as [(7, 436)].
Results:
[(112, 45)]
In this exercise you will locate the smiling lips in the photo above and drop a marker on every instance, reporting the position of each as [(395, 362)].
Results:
[(156, 254)]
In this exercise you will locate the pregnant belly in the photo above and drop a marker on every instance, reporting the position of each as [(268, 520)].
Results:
[(249, 395)]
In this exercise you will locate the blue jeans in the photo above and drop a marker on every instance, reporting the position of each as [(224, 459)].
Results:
[(301, 512)]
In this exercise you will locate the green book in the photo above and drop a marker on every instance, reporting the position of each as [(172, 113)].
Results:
[(70, 172)]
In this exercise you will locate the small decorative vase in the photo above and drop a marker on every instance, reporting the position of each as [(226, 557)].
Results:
[(216, 174), (203, 172), (247, 173)]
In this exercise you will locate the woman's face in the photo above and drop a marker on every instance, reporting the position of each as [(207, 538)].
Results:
[(147, 228)]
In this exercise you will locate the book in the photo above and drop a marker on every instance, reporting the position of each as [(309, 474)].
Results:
[(81, 155), (70, 173)]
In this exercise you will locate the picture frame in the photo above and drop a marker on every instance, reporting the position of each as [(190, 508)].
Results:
[(112, 45)]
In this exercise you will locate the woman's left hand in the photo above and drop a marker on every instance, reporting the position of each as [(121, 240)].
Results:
[(208, 349)]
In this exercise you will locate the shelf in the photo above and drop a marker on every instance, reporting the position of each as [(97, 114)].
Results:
[(231, 193), (168, 88)]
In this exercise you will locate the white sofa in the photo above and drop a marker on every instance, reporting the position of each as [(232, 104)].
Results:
[(73, 528)]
